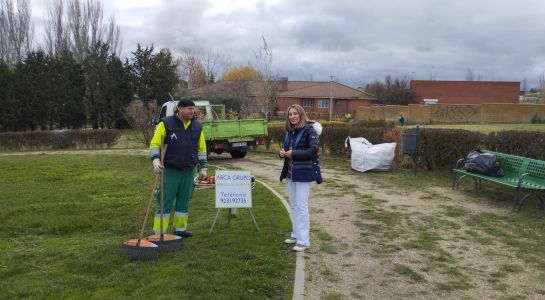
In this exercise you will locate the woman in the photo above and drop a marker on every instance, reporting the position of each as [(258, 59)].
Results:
[(301, 168)]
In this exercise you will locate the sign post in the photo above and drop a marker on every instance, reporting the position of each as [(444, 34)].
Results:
[(233, 190)]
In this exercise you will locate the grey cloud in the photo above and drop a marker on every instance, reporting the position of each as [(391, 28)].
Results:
[(357, 41)]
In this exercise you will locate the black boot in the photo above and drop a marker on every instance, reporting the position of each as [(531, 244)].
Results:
[(184, 234)]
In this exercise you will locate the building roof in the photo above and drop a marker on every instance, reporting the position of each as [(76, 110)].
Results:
[(294, 89), (322, 89)]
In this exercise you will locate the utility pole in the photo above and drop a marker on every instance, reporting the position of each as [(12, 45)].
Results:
[(330, 97)]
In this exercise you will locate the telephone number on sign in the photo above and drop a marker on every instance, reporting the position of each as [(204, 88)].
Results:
[(233, 201)]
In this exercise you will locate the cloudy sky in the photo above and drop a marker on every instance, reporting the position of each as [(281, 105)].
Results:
[(356, 41)]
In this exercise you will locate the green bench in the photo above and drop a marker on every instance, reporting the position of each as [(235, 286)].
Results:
[(521, 174)]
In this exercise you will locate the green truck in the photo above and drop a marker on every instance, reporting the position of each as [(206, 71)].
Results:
[(233, 136)]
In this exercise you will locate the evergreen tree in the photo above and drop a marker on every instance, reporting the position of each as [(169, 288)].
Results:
[(32, 92), (69, 92), (7, 103), (153, 75)]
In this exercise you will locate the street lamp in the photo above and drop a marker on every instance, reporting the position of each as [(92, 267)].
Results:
[(330, 97)]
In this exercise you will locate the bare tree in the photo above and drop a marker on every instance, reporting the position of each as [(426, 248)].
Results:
[(56, 34), (140, 116), (79, 27), (113, 34), (470, 75), (433, 74), (269, 82), (192, 69), (200, 67), (212, 60), (541, 87), (394, 90), (16, 30)]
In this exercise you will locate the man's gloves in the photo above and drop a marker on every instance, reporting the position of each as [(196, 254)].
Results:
[(157, 166), (203, 173)]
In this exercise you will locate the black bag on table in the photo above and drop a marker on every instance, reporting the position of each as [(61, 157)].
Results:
[(483, 163)]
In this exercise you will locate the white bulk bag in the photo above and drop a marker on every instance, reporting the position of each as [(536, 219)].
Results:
[(366, 156)]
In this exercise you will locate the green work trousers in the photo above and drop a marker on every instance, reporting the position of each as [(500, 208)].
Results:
[(178, 187)]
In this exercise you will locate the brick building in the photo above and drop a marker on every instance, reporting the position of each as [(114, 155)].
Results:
[(465, 92), (314, 96)]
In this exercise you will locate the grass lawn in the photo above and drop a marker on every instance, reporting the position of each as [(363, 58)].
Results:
[(64, 218)]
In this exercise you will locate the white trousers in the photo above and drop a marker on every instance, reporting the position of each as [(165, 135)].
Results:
[(298, 194)]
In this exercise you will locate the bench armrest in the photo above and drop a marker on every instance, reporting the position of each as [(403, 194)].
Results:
[(519, 179), (460, 161)]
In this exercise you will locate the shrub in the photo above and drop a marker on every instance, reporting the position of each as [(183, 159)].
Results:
[(59, 139), (376, 123), (522, 143), (441, 148), (333, 136), (140, 116), (536, 119), (438, 149)]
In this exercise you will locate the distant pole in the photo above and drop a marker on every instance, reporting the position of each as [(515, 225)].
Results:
[(330, 97)]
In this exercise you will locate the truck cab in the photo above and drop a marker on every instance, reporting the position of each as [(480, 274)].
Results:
[(203, 108)]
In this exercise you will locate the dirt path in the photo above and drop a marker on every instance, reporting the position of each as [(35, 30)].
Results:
[(378, 241)]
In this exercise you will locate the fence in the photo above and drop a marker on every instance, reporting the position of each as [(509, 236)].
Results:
[(454, 113)]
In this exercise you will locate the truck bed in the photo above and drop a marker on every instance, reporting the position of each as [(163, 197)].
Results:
[(234, 130)]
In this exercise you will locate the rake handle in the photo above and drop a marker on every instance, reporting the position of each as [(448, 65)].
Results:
[(163, 151), (155, 183)]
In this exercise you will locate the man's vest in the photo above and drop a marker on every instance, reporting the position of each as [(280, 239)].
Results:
[(182, 143)]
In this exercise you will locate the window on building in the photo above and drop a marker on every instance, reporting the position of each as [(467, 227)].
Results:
[(307, 102), (323, 103)]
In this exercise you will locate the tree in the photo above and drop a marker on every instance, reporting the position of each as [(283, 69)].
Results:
[(79, 28), (153, 76), (394, 90), (69, 91), (56, 33), (212, 60), (199, 68), (95, 78), (117, 92), (16, 30), (7, 101), (241, 73), (268, 81), (541, 87), (106, 89), (470, 75), (378, 89), (32, 91), (139, 115)]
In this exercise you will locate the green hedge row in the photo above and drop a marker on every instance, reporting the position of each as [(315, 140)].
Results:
[(438, 149), (334, 135), (441, 148), (59, 139)]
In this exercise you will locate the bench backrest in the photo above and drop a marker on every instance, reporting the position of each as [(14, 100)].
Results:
[(519, 165)]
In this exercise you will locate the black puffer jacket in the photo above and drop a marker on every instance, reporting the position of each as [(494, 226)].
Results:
[(305, 158)]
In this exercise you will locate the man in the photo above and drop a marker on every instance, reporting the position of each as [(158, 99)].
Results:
[(348, 117), (186, 147)]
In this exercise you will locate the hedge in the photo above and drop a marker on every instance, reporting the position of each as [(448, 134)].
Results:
[(58, 139), (438, 149)]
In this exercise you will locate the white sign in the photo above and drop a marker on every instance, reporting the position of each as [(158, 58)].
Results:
[(431, 101), (233, 189)]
